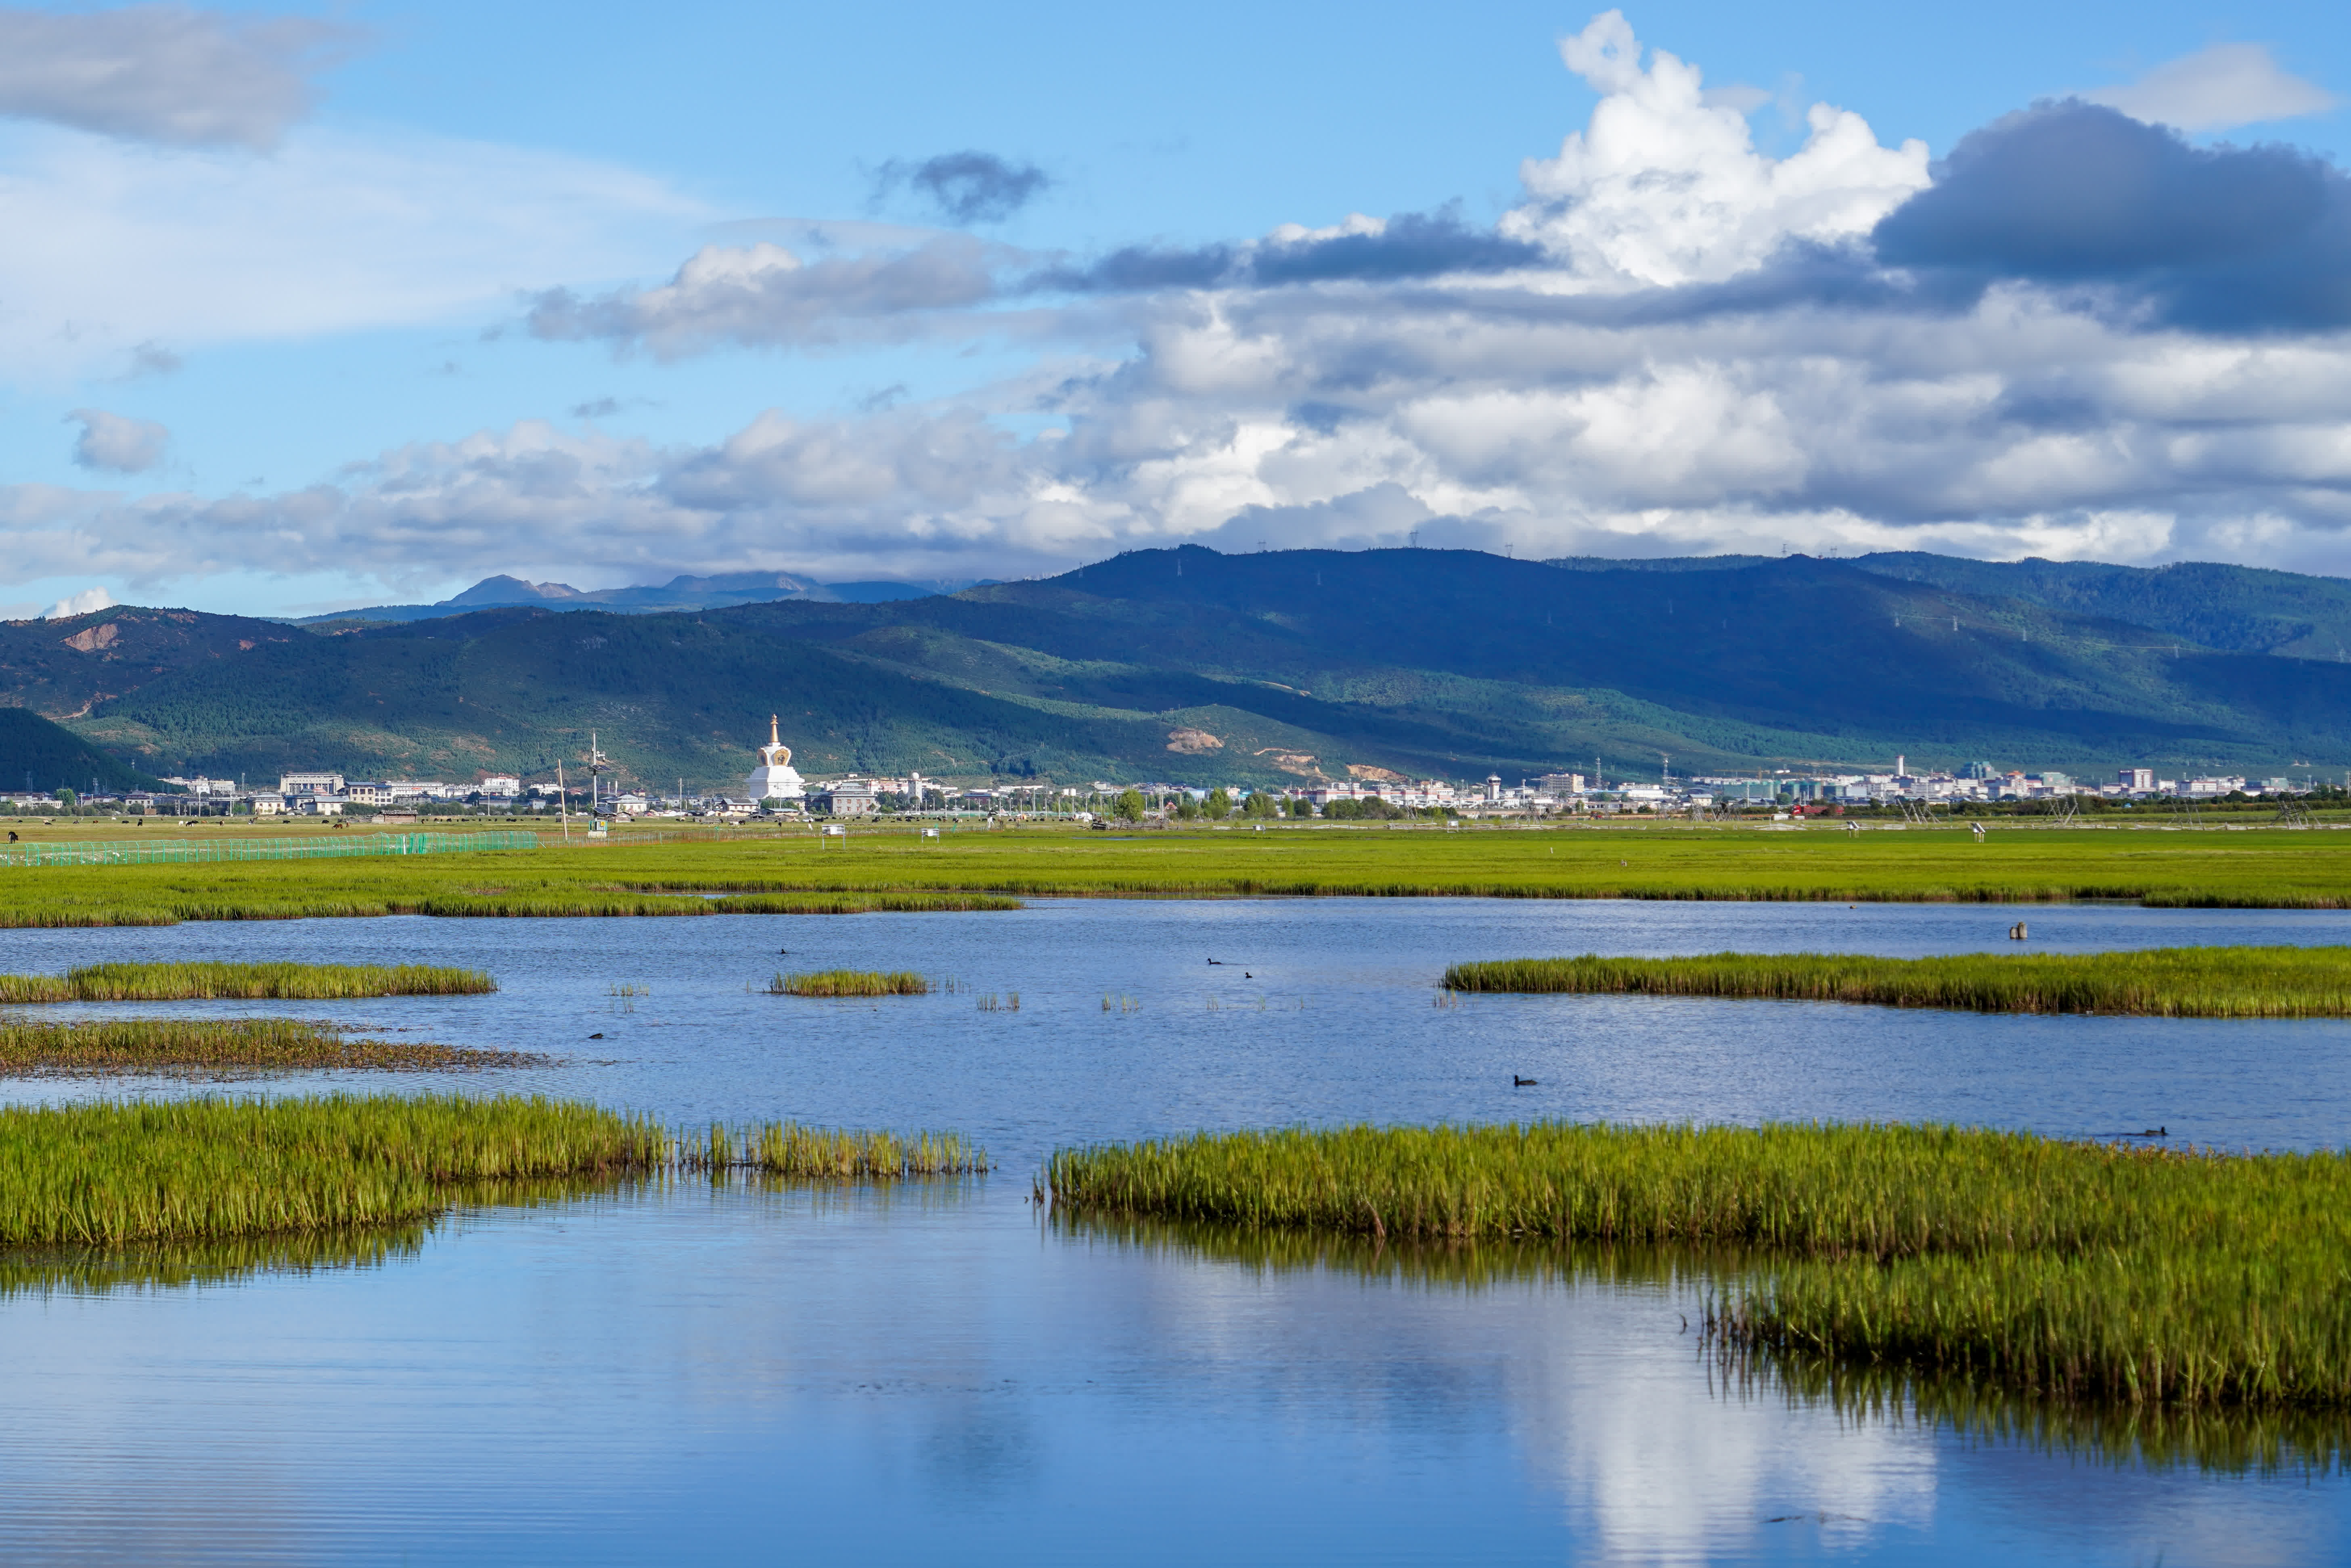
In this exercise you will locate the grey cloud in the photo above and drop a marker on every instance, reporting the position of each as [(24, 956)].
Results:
[(152, 359), (2075, 195), (1410, 245), (968, 187), (763, 295), (113, 444), (165, 73), (2217, 87)]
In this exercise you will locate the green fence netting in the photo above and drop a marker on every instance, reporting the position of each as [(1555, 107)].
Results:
[(335, 846)]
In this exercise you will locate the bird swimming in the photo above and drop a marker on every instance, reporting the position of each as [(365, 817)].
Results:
[(1518, 1082)]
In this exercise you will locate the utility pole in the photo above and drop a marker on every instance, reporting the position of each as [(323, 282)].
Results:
[(562, 801)]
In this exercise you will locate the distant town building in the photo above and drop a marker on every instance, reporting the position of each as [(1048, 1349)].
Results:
[(2137, 780), (310, 784), (849, 797), (502, 784)]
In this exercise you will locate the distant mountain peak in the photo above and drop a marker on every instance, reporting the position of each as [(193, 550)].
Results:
[(504, 590)]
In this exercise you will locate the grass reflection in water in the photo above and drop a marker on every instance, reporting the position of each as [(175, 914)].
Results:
[(2229, 1439)]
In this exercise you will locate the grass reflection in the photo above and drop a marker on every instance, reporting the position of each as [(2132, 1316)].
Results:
[(2227, 1439)]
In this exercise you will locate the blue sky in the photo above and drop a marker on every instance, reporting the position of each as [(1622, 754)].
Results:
[(332, 305)]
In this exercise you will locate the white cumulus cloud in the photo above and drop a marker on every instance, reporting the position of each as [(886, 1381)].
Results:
[(87, 600), (1667, 187)]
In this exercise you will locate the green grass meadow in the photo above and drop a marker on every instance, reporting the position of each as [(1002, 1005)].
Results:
[(764, 871)]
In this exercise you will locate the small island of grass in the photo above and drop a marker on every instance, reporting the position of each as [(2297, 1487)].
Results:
[(850, 983), (834, 1153), (242, 982), (2075, 1270), (2163, 982), (109, 1173), (214, 1047)]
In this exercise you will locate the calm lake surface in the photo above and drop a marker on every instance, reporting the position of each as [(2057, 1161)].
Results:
[(938, 1371)]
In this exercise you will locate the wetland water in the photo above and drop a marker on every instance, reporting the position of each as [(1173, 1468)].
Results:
[(673, 1369)]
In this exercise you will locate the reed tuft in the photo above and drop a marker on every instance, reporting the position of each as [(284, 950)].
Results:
[(833, 1154), (849, 983)]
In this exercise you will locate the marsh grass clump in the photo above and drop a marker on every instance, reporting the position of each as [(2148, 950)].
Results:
[(833, 1154), (243, 982), (1009, 1002), (108, 1174), (2061, 1269), (849, 983), (202, 1046), (2163, 982)]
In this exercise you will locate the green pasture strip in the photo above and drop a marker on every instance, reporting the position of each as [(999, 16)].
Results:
[(113, 1173), (850, 983), (796, 872), (182, 1047), (206, 982), (2075, 1270), (2164, 982), (186, 850), (832, 1154)]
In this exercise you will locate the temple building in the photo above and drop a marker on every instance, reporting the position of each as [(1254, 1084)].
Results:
[(775, 779)]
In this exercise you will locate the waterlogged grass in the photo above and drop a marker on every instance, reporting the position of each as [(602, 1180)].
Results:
[(765, 872), (850, 983), (110, 1173), (2164, 982), (2064, 1271), (217, 1047), (206, 982), (832, 1153)]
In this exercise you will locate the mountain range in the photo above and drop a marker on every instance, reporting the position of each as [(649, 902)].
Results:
[(678, 593), (1192, 666)]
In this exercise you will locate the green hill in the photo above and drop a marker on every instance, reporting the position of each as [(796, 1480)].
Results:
[(1199, 667), (38, 756)]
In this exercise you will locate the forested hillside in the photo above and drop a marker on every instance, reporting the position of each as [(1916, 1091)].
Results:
[(1195, 666)]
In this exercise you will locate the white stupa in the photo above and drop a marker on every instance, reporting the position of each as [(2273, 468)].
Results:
[(775, 778)]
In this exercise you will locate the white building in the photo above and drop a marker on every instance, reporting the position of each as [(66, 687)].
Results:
[(502, 784), (775, 779), (310, 784)]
